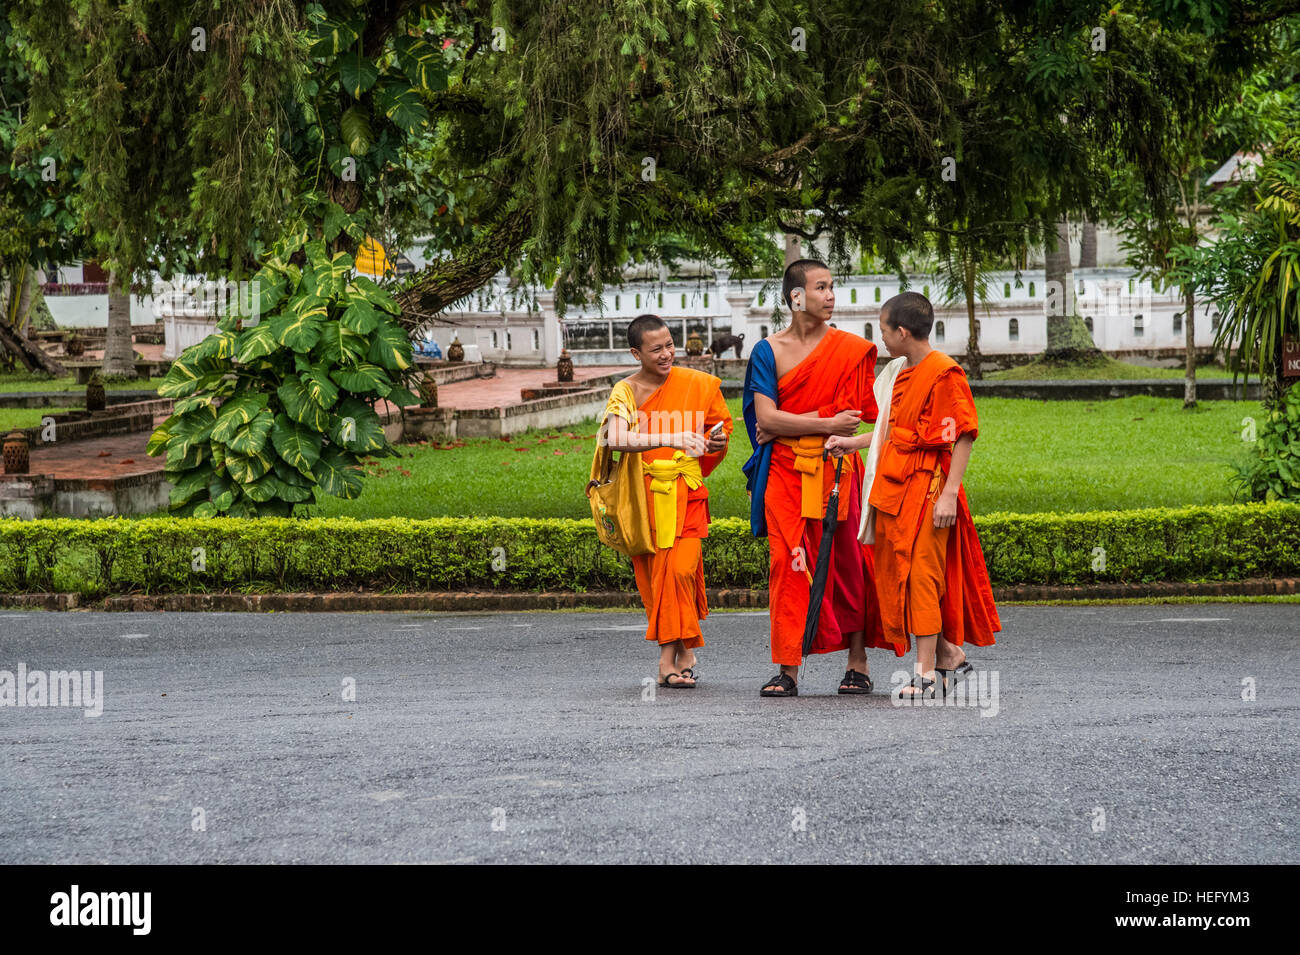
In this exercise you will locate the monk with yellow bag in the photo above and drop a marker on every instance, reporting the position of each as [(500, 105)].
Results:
[(677, 422)]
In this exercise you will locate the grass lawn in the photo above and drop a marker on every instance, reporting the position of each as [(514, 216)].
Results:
[(11, 418), (1030, 456), (1106, 369), (26, 381)]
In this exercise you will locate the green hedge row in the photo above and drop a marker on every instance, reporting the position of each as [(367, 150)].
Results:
[(155, 555)]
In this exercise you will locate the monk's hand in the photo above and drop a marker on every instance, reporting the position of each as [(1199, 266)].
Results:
[(762, 436), (945, 509), (845, 423), (837, 446), (717, 442), (693, 443)]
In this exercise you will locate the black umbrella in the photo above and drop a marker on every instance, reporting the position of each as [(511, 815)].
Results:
[(818, 586)]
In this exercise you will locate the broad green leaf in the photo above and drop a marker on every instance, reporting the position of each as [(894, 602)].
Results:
[(293, 493), (158, 441), (245, 468), (402, 105), (365, 288), (299, 332), (254, 343), (297, 445), (340, 344), (364, 378), (322, 391), (390, 347), (299, 406), (422, 62), (190, 456), (358, 137), (357, 72), (360, 317), (187, 375), (251, 438), (263, 489), (205, 509), (237, 412), (189, 485), (268, 290), (333, 37), (400, 396), (218, 345), (357, 427), (336, 475)]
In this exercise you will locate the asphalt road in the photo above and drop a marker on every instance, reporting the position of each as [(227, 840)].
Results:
[(1114, 734)]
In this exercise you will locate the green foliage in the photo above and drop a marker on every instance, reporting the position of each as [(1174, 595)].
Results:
[(158, 554), (269, 413), (1273, 471)]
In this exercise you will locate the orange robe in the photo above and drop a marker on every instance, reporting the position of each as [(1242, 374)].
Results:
[(671, 580), (928, 579), (837, 375)]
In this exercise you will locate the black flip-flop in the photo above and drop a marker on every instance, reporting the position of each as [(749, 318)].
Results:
[(692, 674), (675, 686)]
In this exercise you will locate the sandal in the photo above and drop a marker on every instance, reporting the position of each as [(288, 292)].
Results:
[(783, 686), (680, 685), (692, 673), (963, 671), (926, 689), (855, 683)]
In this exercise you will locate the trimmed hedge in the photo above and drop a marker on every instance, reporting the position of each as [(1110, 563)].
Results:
[(155, 555)]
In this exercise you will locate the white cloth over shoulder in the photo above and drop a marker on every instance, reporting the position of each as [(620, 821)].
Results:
[(884, 390)]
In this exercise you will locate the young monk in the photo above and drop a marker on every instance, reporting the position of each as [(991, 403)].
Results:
[(930, 575), (680, 424), (803, 384)]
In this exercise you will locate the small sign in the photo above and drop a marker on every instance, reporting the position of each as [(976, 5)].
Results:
[(1290, 356)]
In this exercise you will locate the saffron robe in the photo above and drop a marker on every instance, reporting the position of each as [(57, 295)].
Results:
[(671, 580), (835, 376), (928, 579)]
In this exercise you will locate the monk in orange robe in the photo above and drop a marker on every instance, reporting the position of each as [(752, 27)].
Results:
[(680, 425), (931, 578), (822, 378)]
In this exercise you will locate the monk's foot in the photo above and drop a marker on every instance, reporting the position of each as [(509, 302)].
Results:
[(671, 678), (921, 686), (780, 685), (855, 683), (686, 663)]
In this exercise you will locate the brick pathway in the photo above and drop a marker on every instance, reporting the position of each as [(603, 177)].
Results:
[(116, 456), (505, 387)]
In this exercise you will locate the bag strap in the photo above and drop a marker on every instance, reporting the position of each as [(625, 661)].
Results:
[(602, 463)]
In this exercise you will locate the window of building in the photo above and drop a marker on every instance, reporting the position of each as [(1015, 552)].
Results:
[(1137, 325), (537, 340), (683, 301), (1178, 323), (1088, 321), (866, 332), (853, 296), (507, 340), (618, 302), (1031, 289), (494, 340), (1013, 328), (762, 331), (1006, 289), (925, 290), (661, 299), (638, 301), (762, 298), (938, 331), (1214, 322), (877, 294), (1130, 286), (706, 299)]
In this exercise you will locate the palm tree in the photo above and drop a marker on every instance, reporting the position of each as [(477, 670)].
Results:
[(119, 356)]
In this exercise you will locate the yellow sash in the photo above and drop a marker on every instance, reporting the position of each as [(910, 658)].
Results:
[(663, 484), (808, 462)]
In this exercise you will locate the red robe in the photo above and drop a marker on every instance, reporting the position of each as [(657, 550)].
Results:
[(836, 376), (923, 580)]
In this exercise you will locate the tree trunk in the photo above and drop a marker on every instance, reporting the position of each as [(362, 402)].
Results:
[(1067, 336), (25, 295), (973, 357), (1189, 325), (119, 356), (1088, 246), (793, 249), (16, 302)]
